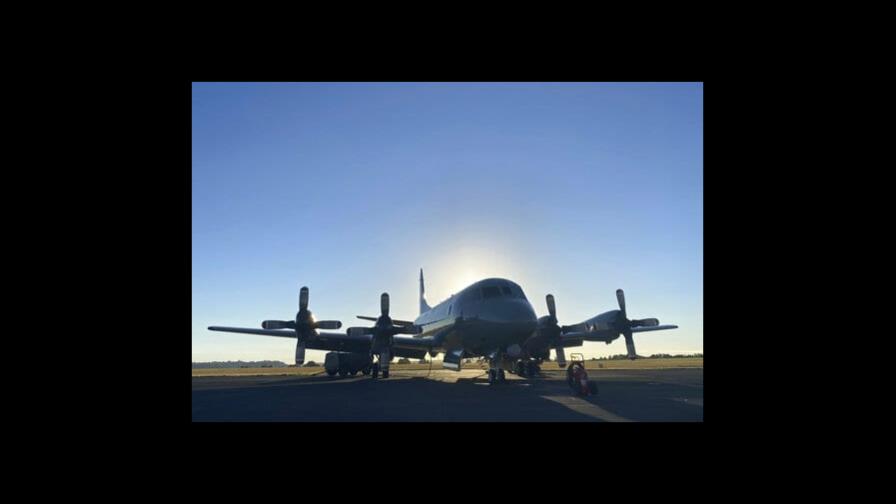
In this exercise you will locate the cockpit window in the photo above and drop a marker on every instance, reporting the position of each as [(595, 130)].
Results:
[(491, 291), (506, 291)]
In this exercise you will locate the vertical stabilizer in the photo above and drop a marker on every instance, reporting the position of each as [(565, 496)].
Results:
[(423, 306)]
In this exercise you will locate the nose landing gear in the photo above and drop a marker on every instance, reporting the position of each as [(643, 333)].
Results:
[(526, 368)]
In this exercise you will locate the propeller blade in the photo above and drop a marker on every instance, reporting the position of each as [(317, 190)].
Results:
[(620, 297), (300, 352), (561, 356), (408, 329), (384, 304), (630, 345), (359, 331), (552, 309), (278, 324), (367, 318), (303, 298), (648, 322), (327, 324)]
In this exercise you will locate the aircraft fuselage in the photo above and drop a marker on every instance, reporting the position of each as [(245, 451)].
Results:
[(489, 315)]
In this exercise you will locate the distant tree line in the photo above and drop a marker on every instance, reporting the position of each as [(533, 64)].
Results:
[(277, 364), (238, 364), (653, 356)]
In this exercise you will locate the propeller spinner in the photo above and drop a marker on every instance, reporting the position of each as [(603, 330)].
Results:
[(304, 325)]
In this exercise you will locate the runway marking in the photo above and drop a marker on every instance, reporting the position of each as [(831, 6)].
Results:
[(586, 408), (694, 401)]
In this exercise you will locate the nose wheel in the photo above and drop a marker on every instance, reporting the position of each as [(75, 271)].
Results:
[(496, 376)]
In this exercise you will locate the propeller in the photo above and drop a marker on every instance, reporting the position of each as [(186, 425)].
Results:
[(624, 325), (383, 332), (304, 325), (550, 330), (551, 333)]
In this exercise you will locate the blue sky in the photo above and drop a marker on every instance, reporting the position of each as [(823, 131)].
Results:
[(574, 189)]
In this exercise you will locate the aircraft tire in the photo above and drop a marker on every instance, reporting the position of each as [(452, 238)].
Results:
[(375, 371), (331, 373)]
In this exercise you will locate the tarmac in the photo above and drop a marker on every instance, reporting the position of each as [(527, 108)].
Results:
[(624, 395)]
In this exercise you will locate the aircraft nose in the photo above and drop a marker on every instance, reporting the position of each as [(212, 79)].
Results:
[(514, 311)]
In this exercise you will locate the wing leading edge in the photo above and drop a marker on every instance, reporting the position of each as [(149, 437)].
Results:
[(576, 338), (342, 342)]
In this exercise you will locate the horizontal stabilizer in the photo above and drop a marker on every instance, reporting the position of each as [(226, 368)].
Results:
[(359, 331), (394, 321)]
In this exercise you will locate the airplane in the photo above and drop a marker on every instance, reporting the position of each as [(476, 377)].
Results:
[(491, 318)]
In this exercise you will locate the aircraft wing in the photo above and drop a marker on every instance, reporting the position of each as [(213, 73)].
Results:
[(414, 348), (263, 332), (576, 338), (406, 342), (654, 328)]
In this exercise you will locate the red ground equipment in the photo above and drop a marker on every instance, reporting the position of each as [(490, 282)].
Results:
[(577, 377)]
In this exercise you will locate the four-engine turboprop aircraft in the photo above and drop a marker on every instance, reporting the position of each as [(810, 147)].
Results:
[(491, 318)]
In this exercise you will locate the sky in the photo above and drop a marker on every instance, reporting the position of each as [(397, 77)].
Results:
[(574, 189)]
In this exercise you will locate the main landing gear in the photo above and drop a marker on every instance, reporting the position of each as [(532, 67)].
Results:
[(496, 364), (526, 369), (375, 371)]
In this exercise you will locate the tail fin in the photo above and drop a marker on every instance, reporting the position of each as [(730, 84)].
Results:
[(423, 306)]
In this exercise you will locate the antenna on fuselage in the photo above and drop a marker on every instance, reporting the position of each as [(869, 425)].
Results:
[(423, 306)]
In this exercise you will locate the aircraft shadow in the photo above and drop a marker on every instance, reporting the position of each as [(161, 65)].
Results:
[(323, 398), (415, 399)]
